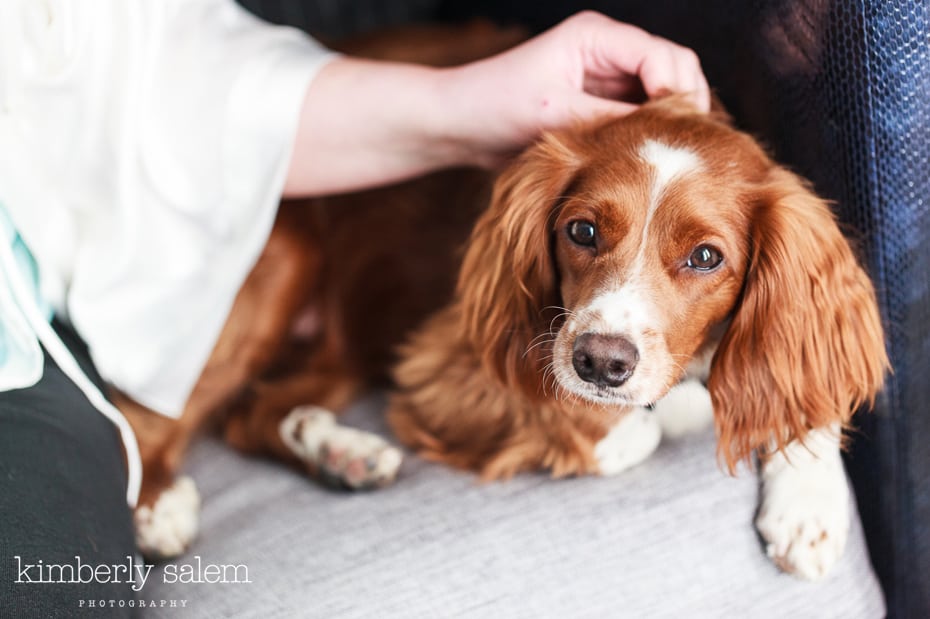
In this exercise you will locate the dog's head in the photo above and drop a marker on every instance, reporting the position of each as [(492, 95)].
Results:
[(614, 254)]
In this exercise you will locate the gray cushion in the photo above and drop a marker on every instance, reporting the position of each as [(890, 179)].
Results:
[(672, 537)]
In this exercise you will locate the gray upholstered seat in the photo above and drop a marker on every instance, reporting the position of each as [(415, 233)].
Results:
[(671, 538)]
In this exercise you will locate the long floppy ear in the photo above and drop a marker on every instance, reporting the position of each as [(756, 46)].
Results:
[(508, 278), (805, 347)]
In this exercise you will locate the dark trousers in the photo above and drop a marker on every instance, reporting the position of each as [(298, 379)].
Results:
[(62, 499)]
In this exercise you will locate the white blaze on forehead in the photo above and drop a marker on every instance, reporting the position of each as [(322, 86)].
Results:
[(669, 163)]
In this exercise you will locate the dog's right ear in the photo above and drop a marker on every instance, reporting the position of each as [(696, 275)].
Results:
[(508, 278)]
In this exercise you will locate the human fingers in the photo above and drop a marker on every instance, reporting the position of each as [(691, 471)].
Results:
[(583, 106), (691, 78), (622, 88), (674, 69), (613, 48)]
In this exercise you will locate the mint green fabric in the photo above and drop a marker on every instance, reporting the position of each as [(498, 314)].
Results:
[(24, 258), (17, 354)]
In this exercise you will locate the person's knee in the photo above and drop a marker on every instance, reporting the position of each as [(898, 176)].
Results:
[(64, 523)]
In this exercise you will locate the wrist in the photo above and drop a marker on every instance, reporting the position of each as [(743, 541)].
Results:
[(468, 126)]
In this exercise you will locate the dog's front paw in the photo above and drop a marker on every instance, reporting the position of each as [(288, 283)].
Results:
[(166, 528), (686, 409), (804, 517), (338, 455), (805, 534), (628, 443)]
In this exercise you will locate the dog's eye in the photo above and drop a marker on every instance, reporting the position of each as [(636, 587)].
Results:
[(705, 258), (582, 232)]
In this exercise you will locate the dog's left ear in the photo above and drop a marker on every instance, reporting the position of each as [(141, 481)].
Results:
[(508, 278), (805, 347)]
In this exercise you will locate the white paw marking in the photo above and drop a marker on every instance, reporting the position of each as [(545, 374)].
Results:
[(804, 517), (628, 443), (339, 455), (165, 529), (685, 409)]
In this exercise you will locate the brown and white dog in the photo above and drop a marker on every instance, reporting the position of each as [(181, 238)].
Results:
[(618, 266)]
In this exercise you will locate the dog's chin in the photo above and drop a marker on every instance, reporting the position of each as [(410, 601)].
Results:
[(606, 397), (600, 396)]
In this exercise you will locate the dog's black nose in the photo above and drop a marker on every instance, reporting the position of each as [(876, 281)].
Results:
[(605, 360)]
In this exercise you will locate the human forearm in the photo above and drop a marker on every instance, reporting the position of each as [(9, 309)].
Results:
[(365, 123)]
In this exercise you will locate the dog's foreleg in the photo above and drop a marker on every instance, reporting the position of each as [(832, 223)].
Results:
[(167, 527), (628, 443), (685, 409), (804, 516), (339, 455), (166, 517)]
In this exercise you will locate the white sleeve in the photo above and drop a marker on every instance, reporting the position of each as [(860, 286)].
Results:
[(158, 136), (218, 101)]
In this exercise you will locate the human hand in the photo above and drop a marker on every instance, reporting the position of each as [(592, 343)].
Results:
[(587, 66), (366, 122)]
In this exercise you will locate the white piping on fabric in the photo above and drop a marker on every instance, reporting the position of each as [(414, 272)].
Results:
[(66, 362)]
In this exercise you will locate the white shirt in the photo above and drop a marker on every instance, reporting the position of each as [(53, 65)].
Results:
[(143, 150)]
